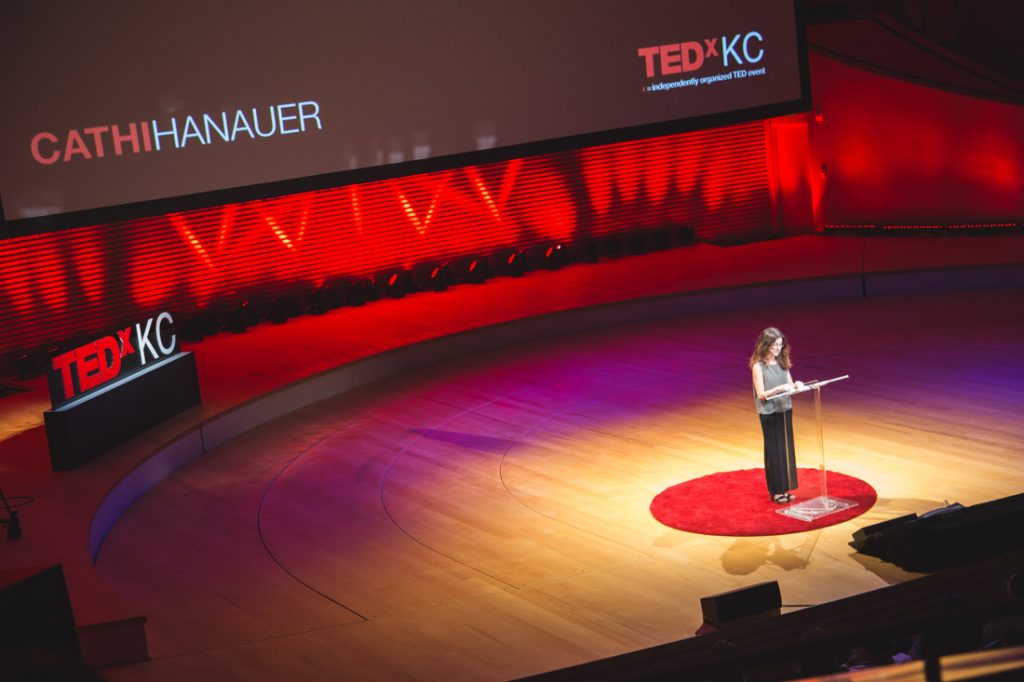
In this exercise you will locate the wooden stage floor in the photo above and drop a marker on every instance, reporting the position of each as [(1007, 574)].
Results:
[(488, 519)]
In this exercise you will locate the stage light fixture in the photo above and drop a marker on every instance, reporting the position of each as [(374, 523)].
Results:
[(659, 239), (397, 284), (209, 323), (423, 276), (325, 297), (391, 286), (637, 243), (611, 246), (478, 271), (432, 277), (685, 235), (527, 260), (554, 256), (362, 291), (239, 318), (26, 366), (340, 289), (512, 264), (441, 277), (278, 312), (194, 327), (515, 265), (281, 309), (584, 251)]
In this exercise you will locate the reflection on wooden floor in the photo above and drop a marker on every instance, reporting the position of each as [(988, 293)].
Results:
[(488, 519)]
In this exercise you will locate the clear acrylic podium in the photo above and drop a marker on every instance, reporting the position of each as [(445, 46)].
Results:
[(823, 505)]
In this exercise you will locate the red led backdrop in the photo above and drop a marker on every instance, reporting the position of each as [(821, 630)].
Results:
[(79, 282)]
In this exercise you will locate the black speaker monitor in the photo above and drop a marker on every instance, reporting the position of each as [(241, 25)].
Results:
[(37, 616), (867, 533), (745, 601), (948, 536)]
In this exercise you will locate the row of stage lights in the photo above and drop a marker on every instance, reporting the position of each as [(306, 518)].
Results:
[(278, 307)]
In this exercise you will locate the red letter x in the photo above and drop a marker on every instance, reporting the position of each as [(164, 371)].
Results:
[(124, 336)]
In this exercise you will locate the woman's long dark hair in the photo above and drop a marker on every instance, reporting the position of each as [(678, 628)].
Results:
[(764, 344)]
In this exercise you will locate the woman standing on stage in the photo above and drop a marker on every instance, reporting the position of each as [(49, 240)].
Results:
[(770, 365)]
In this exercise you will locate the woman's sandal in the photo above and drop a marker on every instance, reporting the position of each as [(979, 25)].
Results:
[(782, 498)]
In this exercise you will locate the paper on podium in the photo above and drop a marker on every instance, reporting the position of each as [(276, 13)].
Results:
[(809, 386)]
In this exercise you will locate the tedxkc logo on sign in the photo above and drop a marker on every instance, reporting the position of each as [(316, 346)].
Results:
[(90, 366), (690, 55)]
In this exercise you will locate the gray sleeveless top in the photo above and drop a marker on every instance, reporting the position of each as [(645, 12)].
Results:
[(774, 376)]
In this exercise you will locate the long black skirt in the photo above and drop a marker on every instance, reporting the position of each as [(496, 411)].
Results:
[(779, 454)]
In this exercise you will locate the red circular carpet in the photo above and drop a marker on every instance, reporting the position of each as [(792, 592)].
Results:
[(737, 503)]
